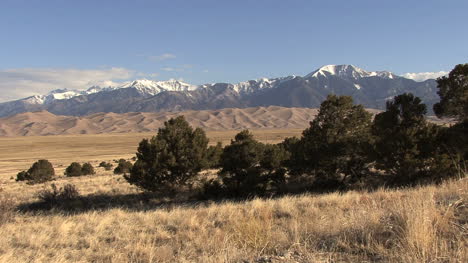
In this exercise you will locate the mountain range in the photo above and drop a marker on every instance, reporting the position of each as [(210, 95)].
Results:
[(370, 88)]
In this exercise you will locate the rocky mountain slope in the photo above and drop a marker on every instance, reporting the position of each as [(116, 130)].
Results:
[(372, 89)]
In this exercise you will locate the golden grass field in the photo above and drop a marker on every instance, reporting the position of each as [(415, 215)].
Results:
[(18, 153), (425, 224)]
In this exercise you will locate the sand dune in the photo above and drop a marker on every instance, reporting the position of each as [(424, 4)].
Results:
[(46, 123)]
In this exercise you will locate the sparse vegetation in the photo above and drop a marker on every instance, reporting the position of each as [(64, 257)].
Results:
[(6, 208), (57, 196), (106, 165)]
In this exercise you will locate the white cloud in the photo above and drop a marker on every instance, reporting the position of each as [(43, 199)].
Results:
[(162, 57), (184, 67), (24, 82), (422, 76)]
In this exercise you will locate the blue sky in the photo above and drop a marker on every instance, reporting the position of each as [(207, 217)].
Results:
[(46, 44)]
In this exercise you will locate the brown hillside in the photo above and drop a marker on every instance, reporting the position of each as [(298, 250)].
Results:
[(46, 123)]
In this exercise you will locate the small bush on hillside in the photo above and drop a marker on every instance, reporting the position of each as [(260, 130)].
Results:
[(87, 169), (107, 166), (56, 196), (74, 169), (123, 167), (41, 171)]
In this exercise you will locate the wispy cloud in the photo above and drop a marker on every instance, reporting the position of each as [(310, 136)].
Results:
[(23, 82), (170, 69), (178, 69), (162, 57), (422, 76)]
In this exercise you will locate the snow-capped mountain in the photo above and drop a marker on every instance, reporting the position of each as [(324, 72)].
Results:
[(144, 86), (370, 88), (348, 72)]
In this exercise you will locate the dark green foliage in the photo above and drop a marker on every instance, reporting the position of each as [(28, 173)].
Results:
[(334, 148), (170, 159), (22, 176), (453, 92), (405, 143), (123, 167), (251, 168), (107, 166), (272, 164), (213, 189), (213, 156), (74, 169), (41, 171), (240, 166), (87, 169)]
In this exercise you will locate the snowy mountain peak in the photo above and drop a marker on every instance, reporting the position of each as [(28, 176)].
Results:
[(348, 72), (151, 87)]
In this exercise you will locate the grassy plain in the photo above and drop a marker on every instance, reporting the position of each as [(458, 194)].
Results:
[(18, 153), (115, 222)]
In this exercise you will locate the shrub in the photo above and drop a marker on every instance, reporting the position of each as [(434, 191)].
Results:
[(22, 176), (41, 171), (123, 167), (87, 169), (56, 196), (107, 166), (170, 159), (74, 169), (241, 172), (213, 156)]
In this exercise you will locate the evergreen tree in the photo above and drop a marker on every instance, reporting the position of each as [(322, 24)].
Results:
[(250, 168), (404, 140), (453, 92), (213, 156), (170, 159), (240, 166), (333, 149)]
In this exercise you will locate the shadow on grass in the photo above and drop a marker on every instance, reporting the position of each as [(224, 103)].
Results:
[(102, 202), (147, 201)]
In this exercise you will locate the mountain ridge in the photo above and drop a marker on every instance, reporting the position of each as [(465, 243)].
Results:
[(370, 88)]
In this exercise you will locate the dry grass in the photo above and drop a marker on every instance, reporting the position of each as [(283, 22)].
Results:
[(114, 222), (427, 224), (18, 153)]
